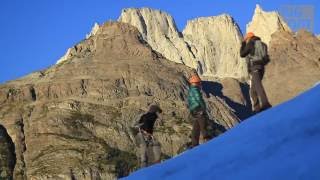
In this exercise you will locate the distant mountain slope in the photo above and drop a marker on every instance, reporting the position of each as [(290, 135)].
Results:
[(294, 65), (281, 143), (72, 120)]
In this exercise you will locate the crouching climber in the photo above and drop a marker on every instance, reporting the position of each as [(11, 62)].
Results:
[(145, 139), (197, 108)]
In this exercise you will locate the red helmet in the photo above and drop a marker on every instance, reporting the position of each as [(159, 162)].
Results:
[(249, 35), (195, 79)]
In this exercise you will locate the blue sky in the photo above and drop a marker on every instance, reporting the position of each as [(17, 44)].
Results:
[(36, 33)]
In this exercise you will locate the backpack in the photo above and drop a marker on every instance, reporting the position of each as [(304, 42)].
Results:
[(260, 53)]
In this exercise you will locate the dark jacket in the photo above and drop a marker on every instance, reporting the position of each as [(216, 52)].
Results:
[(147, 121), (195, 100), (248, 49)]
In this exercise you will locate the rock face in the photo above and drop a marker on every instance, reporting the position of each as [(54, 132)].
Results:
[(72, 120), (71, 51), (94, 30), (159, 30), (215, 41), (264, 24), (66, 56), (294, 65), (7, 155), (210, 45)]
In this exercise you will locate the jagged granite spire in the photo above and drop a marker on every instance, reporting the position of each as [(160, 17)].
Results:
[(159, 30), (215, 41), (210, 44), (264, 24)]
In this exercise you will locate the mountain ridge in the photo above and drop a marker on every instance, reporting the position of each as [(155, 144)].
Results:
[(57, 116)]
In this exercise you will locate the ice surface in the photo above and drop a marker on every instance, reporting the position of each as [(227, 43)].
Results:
[(280, 143)]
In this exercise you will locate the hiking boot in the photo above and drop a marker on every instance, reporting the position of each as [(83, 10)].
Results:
[(207, 138), (266, 107)]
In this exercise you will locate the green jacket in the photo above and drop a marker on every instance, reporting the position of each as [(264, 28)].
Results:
[(195, 99)]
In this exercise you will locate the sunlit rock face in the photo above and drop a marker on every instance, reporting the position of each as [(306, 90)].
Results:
[(294, 65), (159, 30), (264, 24), (210, 45), (215, 41)]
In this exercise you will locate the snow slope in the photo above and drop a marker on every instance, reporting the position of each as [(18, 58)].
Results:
[(281, 143)]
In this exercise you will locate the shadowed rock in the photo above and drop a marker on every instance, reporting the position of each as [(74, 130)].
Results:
[(7, 155)]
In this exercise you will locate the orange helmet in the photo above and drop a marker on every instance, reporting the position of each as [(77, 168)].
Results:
[(249, 35), (194, 79)]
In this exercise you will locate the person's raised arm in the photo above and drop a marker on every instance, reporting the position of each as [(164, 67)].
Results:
[(246, 48)]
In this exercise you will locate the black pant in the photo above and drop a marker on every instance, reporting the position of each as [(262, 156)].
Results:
[(259, 100), (199, 124)]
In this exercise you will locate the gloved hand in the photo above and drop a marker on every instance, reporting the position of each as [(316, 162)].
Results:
[(138, 125)]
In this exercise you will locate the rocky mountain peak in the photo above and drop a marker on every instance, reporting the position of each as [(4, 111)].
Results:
[(264, 24), (295, 62), (199, 46), (109, 38), (165, 23), (215, 42), (223, 18), (159, 30), (258, 9), (94, 30), (113, 36)]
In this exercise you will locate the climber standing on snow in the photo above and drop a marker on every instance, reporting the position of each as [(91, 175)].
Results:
[(197, 108), (145, 138), (256, 54)]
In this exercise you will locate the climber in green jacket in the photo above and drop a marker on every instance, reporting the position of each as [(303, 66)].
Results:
[(197, 108)]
